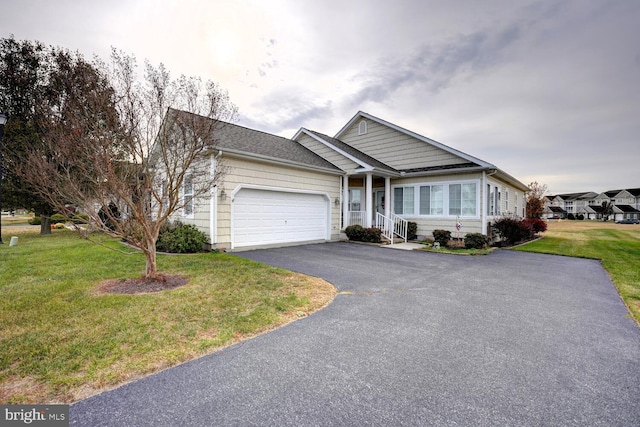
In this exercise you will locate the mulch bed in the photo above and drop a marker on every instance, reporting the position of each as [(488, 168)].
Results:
[(141, 285)]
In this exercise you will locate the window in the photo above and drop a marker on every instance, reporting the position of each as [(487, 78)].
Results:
[(355, 199), (455, 199), (515, 203), (492, 200), (462, 199), (403, 200), (469, 199), (431, 201), (362, 127), (506, 201), (188, 196)]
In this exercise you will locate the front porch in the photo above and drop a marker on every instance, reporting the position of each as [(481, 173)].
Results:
[(372, 194)]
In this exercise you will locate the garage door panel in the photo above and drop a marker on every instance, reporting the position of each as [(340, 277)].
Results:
[(264, 217)]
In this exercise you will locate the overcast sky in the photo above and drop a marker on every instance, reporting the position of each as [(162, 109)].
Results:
[(545, 90)]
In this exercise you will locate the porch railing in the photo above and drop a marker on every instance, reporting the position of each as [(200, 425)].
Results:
[(392, 226), (356, 218)]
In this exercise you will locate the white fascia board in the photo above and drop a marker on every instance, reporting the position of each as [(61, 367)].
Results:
[(417, 136), (268, 159), (354, 159)]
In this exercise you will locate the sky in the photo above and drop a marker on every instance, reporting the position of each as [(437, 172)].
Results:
[(548, 91)]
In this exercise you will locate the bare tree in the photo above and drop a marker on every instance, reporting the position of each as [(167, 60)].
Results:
[(535, 199), (127, 156)]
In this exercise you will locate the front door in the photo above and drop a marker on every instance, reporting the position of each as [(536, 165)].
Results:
[(379, 202)]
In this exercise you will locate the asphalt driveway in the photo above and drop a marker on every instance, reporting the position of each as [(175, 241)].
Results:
[(413, 338)]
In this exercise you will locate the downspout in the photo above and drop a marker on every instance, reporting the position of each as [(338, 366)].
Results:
[(213, 205), (485, 195)]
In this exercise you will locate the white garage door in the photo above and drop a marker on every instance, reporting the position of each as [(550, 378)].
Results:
[(262, 217)]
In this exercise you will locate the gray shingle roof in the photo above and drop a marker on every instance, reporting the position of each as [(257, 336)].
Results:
[(353, 151), (248, 141)]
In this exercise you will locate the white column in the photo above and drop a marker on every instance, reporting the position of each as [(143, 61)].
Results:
[(387, 197), (369, 198), (345, 201), (483, 203)]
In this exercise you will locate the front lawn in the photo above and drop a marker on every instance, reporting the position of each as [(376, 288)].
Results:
[(616, 245), (63, 340)]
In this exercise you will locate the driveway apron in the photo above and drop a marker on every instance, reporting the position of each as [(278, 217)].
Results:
[(413, 338)]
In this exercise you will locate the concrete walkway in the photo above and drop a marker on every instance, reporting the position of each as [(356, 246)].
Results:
[(407, 246), (413, 338)]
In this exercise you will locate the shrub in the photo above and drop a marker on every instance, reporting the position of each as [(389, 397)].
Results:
[(36, 220), (442, 237), (181, 238), (511, 230), (537, 225), (81, 218), (372, 235), (58, 218), (412, 230), (571, 216), (580, 217), (476, 241), (354, 232), (58, 226)]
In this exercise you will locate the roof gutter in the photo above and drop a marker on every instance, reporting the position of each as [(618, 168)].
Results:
[(277, 161)]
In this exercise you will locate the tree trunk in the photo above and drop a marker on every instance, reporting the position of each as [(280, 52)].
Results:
[(45, 225), (151, 271)]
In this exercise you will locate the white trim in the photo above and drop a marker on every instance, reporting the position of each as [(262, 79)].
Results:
[(333, 147), (280, 190), (368, 200), (445, 199), (362, 127), (213, 207)]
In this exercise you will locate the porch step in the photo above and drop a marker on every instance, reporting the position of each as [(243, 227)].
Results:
[(395, 240)]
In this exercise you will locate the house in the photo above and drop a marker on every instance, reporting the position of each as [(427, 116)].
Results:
[(279, 191), (589, 205)]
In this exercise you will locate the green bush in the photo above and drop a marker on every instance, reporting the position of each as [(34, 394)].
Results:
[(81, 218), (372, 235), (36, 220), (359, 234), (181, 238), (476, 241), (354, 232), (58, 219), (442, 237), (412, 230)]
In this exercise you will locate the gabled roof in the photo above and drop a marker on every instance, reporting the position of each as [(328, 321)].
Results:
[(627, 208), (572, 196), (634, 191), (467, 157), (245, 142), (241, 140), (346, 150)]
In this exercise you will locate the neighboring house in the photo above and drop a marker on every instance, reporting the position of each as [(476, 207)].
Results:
[(626, 204), (310, 188)]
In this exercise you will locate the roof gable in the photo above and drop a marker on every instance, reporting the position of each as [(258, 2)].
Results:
[(365, 161), (400, 148), (242, 141)]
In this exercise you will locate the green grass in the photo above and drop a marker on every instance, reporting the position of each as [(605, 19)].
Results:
[(617, 246), (62, 340)]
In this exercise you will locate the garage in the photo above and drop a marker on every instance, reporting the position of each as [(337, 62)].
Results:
[(265, 217)]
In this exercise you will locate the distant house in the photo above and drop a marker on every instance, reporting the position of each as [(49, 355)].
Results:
[(280, 191), (626, 204)]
